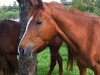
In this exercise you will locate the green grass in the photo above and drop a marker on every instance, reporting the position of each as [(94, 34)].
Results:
[(44, 62)]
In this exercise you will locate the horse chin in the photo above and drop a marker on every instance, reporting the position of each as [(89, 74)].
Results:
[(39, 48), (39, 45)]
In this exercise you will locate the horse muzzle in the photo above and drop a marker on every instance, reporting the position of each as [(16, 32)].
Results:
[(26, 51)]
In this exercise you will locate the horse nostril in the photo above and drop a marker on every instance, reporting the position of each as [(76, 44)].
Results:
[(21, 51), (26, 52)]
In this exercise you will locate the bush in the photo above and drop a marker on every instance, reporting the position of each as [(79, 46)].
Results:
[(9, 12), (87, 5)]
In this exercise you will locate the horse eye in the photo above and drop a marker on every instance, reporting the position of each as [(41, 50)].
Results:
[(38, 22)]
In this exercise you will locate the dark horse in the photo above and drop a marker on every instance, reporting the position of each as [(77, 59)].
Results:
[(80, 31), (54, 46), (9, 40)]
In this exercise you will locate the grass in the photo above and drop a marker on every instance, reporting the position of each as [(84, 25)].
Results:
[(44, 62)]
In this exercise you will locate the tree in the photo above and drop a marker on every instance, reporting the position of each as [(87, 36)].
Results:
[(9, 12), (26, 64), (88, 5)]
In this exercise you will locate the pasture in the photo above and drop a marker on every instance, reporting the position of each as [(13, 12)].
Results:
[(44, 62)]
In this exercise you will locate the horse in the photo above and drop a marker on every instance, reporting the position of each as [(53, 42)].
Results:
[(54, 46), (80, 32), (9, 38)]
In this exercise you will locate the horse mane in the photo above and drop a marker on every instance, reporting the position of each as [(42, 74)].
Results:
[(62, 7), (78, 12), (57, 5), (72, 10)]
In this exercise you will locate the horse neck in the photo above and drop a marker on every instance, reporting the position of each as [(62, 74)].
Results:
[(72, 29)]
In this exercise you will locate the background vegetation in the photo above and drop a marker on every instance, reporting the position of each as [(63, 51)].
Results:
[(9, 12), (92, 6), (12, 12)]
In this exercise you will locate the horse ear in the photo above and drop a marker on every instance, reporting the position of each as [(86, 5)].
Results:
[(40, 2), (31, 2)]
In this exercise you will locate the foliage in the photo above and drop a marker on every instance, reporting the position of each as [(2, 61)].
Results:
[(12, 12), (92, 6), (9, 12)]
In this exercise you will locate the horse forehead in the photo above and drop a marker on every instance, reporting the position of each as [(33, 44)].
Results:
[(31, 18), (40, 13)]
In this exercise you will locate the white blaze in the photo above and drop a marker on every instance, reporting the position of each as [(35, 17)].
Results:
[(25, 31)]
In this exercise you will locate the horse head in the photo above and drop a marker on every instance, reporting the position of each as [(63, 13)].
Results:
[(40, 29)]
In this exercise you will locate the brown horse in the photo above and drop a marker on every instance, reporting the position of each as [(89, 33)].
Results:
[(9, 38), (80, 32), (54, 46)]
